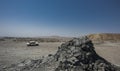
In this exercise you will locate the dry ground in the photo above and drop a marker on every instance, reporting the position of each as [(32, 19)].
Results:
[(109, 51), (14, 52)]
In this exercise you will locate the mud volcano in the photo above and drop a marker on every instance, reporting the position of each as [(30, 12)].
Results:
[(77, 54)]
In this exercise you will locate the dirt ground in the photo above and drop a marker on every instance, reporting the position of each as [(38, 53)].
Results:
[(15, 52), (109, 51)]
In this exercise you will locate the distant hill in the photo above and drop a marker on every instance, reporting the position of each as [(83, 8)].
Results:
[(105, 37), (112, 37), (39, 39)]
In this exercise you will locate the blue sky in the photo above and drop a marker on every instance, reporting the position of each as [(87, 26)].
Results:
[(35, 18)]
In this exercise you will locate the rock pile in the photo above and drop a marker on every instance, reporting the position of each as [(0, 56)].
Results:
[(75, 55), (79, 55)]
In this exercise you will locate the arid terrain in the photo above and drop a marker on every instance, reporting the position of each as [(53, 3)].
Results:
[(111, 37), (12, 52)]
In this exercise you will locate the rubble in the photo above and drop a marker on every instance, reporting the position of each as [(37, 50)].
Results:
[(77, 54)]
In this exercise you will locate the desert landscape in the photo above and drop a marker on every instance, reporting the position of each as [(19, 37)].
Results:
[(13, 52), (59, 35)]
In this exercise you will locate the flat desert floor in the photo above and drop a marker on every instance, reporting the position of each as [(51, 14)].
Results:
[(15, 52)]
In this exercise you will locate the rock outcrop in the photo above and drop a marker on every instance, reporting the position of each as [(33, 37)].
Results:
[(77, 54)]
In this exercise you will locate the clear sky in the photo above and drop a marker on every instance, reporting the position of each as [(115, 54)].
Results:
[(58, 17)]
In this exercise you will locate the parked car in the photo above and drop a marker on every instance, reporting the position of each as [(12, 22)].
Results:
[(32, 43)]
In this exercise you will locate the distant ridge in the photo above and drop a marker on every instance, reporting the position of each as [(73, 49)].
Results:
[(113, 37), (105, 37)]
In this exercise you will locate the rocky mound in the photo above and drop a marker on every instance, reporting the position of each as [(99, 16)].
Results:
[(105, 37), (75, 55)]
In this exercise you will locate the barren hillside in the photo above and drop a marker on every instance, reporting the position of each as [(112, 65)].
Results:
[(105, 37)]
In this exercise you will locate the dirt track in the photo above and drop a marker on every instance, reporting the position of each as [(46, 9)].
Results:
[(14, 52)]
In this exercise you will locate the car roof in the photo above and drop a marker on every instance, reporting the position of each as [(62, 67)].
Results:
[(31, 41)]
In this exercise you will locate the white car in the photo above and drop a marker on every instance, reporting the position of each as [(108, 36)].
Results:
[(32, 43)]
